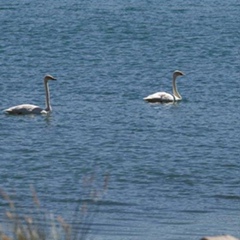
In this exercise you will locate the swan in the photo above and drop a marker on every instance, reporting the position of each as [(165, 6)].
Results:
[(33, 109), (163, 97)]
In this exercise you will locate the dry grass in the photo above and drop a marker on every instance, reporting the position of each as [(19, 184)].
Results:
[(44, 226)]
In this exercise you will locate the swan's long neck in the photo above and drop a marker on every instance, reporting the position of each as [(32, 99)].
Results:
[(175, 90), (48, 106)]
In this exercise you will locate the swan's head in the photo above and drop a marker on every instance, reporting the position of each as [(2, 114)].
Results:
[(178, 73), (49, 77)]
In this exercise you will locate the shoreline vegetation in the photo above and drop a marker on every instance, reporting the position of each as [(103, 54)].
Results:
[(42, 225), (222, 237), (39, 224)]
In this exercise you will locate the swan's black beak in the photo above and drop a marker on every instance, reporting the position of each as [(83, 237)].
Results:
[(49, 77)]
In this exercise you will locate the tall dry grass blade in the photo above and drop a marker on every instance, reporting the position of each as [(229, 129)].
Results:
[(35, 197), (7, 198), (4, 237), (66, 227)]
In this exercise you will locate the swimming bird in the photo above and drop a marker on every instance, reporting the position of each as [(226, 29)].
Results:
[(163, 97), (33, 109)]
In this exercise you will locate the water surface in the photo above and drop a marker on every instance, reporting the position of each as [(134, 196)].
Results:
[(174, 169)]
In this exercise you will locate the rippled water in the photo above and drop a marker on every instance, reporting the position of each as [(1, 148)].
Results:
[(174, 169)]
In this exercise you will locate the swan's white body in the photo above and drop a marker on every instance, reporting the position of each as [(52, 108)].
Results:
[(164, 97), (33, 109)]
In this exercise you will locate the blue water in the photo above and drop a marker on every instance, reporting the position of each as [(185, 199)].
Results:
[(173, 169)]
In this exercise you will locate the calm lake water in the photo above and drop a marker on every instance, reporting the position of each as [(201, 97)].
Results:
[(173, 169)]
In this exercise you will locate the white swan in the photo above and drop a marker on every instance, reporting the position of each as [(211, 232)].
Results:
[(164, 97), (33, 109)]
